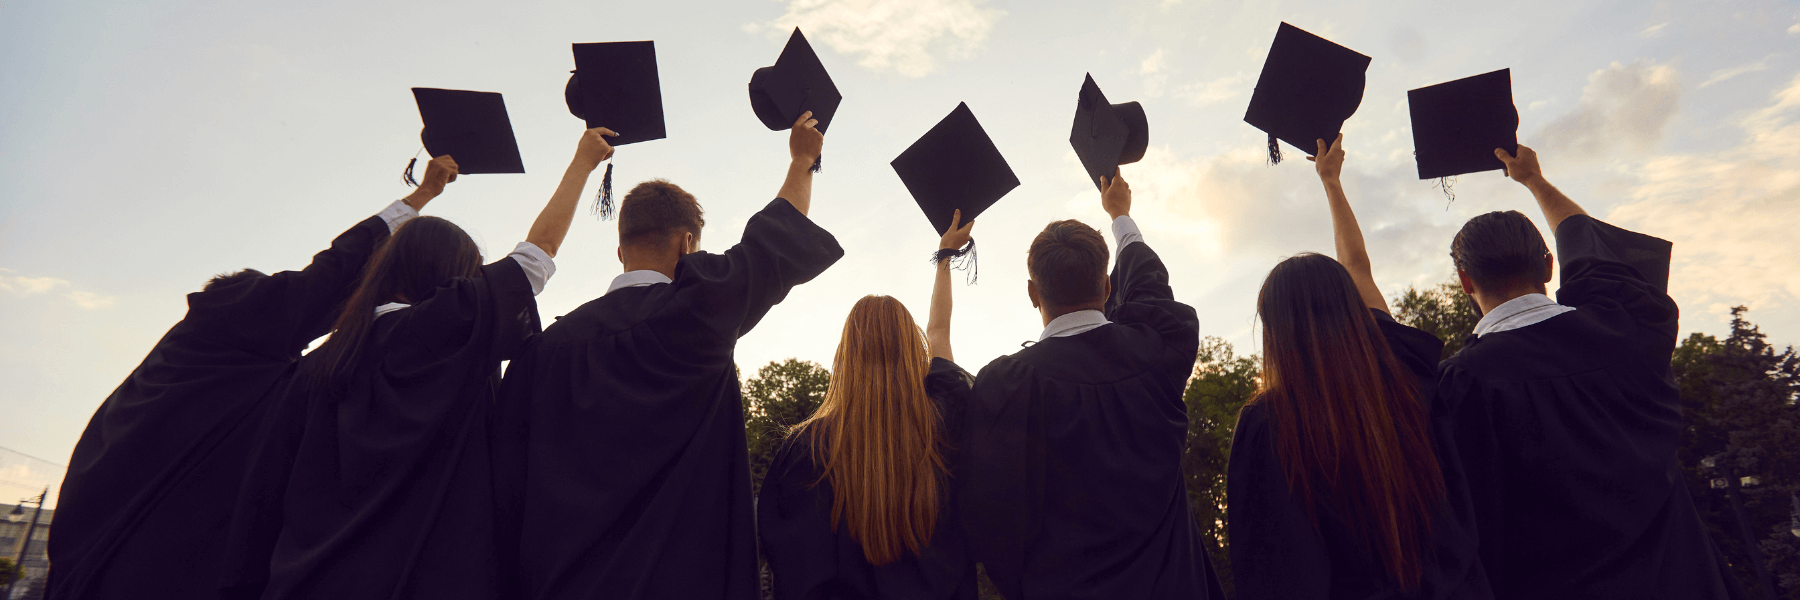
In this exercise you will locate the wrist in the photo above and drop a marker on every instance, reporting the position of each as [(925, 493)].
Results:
[(1536, 182), (1114, 215), (798, 162)]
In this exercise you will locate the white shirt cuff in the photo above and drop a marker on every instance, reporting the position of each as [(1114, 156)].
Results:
[(537, 265), (397, 213), (1125, 231)]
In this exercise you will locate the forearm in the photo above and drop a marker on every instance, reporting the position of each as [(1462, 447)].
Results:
[(797, 189), (937, 327), (553, 223), (420, 196), (1555, 205), (1352, 251)]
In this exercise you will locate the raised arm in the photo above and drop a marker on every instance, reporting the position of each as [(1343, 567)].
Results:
[(1524, 169), (439, 172), (553, 223), (805, 144), (937, 328), (1351, 252)]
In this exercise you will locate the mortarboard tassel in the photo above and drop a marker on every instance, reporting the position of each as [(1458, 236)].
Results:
[(961, 260), (1274, 150), (407, 176), (1448, 184), (818, 163), (603, 198)]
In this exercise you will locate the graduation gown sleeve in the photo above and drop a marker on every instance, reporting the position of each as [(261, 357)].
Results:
[(162, 455)]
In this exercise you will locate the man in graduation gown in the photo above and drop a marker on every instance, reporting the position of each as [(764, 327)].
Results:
[(1072, 485), (145, 505), (620, 459), (1565, 414)]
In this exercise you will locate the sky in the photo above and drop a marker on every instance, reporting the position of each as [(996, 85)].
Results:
[(145, 146)]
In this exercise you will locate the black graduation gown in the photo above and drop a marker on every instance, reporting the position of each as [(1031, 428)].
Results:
[(810, 561), (388, 491), (1567, 430), (620, 448), (1072, 484), (1278, 552), (139, 515)]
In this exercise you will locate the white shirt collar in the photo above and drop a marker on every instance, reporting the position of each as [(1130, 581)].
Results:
[(1523, 311), (639, 278), (390, 307), (1080, 321)]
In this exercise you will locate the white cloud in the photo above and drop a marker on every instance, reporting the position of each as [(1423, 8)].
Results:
[(12, 283), (1731, 214), (1653, 30), (1725, 74), (1794, 30), (1151, 64), (905, 36), (1223, 88), (1623, 107)]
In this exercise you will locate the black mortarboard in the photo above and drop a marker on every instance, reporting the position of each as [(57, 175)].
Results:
[(955, 166), (1457, 125), (796, 84), (1107, 135), (621, 93), (1308, 88), (471, 127)]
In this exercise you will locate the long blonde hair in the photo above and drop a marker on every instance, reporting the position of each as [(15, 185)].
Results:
[(876, 433)]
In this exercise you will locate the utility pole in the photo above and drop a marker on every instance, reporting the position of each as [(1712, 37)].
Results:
[(26, 544)]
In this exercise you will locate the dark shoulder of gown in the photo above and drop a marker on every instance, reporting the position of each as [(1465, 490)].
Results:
[(384, 490), (620, 448), (1567, 430), (1071, 485), (140, 507), (812, 561), (1277, 550)]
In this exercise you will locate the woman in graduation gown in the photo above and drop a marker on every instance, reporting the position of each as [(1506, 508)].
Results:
[(387, 491), (1339, 485), (856, 503)]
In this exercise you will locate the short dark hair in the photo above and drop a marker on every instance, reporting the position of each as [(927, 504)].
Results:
[(224, 280), (1068, 262), (655, 210), (1501, 251)]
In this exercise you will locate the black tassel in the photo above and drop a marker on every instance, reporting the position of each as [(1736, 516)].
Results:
[(961, 260), (1448, 184), (407, 177), (1274, 150), (603, 198), (818, 163)]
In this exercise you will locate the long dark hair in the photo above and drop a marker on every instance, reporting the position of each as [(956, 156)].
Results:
[(1349, 423), (422, 255)]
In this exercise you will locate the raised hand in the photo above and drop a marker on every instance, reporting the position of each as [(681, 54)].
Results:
[(1115, 195), (1329, 160), (956, 237), (1522, 168), (593, 148), (805, 141)]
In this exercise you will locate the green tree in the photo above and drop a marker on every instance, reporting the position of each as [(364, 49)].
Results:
[(1442, 310), (780, 396), (9, 571), (1742, 448), (1221, 384)]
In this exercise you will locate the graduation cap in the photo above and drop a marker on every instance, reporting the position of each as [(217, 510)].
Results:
[(471, 127), (955, 166), (795, 84), (621, 93), (1308, 88), (1457, 125), (1107, 135)]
